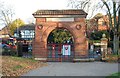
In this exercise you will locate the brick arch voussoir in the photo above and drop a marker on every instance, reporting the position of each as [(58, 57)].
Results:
[(47, 32), (51, 28)]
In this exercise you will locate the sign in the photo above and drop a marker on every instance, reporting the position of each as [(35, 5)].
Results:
[(66, 50), (60, 19)]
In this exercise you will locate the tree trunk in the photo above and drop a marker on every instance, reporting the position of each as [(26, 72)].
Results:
[(118, 27), (115, 40), (115, 43)]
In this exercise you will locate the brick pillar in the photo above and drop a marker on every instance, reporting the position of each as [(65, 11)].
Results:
[(39, 47), (81, 48), (40, 52), (104, 43)]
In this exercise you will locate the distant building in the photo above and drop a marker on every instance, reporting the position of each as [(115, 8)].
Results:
[(25, 32), (103, 23), (4, 33), (98, 24)]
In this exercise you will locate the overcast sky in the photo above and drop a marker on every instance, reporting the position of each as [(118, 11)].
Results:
[(25, 8)]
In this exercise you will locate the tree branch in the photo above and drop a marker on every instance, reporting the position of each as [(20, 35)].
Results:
[(118, 8), (109, 14)]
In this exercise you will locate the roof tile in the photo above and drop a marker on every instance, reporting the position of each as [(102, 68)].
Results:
[(60, 12)]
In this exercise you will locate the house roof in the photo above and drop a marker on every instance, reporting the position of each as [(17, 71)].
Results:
[(4, 30), (60, 12), (26, 27)]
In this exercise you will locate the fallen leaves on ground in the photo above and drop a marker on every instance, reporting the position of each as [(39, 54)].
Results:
[(16, 66)]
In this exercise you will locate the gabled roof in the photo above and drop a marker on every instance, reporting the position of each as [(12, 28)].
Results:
[(26, 27), (60, 12), (4, 30)]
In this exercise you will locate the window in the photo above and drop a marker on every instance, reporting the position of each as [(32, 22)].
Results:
[(104, 23), (27, 34)]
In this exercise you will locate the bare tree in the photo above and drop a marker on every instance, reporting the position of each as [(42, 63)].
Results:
[(87, 5), (6, 15), (112, 8)]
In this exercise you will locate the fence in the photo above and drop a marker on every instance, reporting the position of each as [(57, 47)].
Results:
[(60, 52), (24, 49)]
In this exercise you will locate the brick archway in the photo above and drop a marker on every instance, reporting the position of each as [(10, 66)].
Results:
[(45, 24), (51, 28)]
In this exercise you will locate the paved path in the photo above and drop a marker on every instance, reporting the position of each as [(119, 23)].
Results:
[(75, 69)]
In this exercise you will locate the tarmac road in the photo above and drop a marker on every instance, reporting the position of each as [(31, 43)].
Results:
[(75, 69)]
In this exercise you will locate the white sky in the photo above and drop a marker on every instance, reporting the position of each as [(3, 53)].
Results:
[(25, 8)]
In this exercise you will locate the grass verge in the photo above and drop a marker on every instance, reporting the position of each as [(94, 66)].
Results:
[(16, 66), (114, 75)]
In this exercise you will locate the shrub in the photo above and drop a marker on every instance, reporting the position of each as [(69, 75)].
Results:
[(97, 35), (9, 51), (112, 58)]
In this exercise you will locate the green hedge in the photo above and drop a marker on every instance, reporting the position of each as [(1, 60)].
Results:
[(94, 41), (9, 51)]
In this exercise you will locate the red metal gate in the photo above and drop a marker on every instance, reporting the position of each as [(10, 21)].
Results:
[(60, 52)]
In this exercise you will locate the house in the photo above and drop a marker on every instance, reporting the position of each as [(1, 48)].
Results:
[(98, 23), (4, 33), (103, 23), (25, 32)]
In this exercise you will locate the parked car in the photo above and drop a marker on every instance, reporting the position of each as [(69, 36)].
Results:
[(5, 45), (97, 55), (29, 48)]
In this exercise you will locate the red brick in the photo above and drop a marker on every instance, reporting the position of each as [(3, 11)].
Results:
[(80, 41)]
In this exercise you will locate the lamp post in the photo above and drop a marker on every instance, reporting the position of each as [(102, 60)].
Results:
[(17, 28), (17, 36), (118, 27)]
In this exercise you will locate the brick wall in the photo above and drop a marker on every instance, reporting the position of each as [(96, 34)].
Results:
[(41, 35)]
